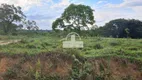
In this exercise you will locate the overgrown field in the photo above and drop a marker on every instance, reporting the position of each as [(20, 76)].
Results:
[(41, 57), (93, 46)]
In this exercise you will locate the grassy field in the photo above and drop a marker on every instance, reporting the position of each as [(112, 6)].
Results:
[(93, 46), (41, 57)]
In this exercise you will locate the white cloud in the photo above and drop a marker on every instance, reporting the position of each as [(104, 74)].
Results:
[(46, 23), (44, 12), (126, 4), (62, 3), (137, 9), (105, 15), (101, 1), (25, 4), (131, 3), (129, 9)]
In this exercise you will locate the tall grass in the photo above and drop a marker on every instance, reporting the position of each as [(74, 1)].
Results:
[(93, 46)]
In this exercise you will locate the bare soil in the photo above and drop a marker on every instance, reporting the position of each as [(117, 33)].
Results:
[(8, 42), (18, 67)]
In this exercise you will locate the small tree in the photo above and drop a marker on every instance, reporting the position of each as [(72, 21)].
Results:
[(127, 32), (31, 25)]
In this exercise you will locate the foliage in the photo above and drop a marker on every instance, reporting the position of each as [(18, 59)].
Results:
[(114, 43), (94, 47), (80, 70), (11, 73), (127, 32), (31, 25), (9, 15), (75, 17), (123, 28), (98, 46)]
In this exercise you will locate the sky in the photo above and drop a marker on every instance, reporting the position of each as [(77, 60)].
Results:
[(44, 12)]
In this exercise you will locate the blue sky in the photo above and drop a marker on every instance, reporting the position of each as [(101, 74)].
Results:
[(44, 12)]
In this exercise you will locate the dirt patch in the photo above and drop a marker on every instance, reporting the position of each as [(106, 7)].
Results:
[(24, 67), (116, 69), (5, 64), (19, 67), (9, 42)]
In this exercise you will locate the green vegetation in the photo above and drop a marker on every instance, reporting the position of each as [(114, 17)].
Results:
[(13, 19), (75, 17), (9, 15), (32, 54), (120, 28), (93, 46)]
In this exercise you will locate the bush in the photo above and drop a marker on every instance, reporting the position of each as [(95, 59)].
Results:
[(51, 78), (11, 73), (133, 48), (98, 46), (31, 46), (45, 44), (76, 53), (80, 70), (114, 43), (14, 34), (24, 41)]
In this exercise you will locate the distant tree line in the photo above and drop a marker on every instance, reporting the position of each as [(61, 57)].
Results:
[(122, 28), (12, 19), (118, 28)]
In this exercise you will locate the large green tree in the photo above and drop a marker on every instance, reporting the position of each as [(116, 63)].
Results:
[(75, 17), (10, 16)]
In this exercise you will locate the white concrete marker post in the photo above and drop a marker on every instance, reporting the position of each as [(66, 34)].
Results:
[(73, 43)]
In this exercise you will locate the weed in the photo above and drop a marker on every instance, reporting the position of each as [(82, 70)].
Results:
[(124, 63), (114, 43), (80, 70), (101, 67), (30, 46), (38, 70), (98, 46), (24, 41), (99, 78), (127, 78), (50, 78), (45, 44), (133, 48), (10, 74)]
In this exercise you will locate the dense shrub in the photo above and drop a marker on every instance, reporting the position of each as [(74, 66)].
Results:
[(98, 46)]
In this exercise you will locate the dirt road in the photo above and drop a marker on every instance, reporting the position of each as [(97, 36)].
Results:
[(8, 42)]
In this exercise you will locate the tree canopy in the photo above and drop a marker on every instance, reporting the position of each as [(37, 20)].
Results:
[(12, 19), (31, 25), (75, 17), (9, 16), (123, 28)]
